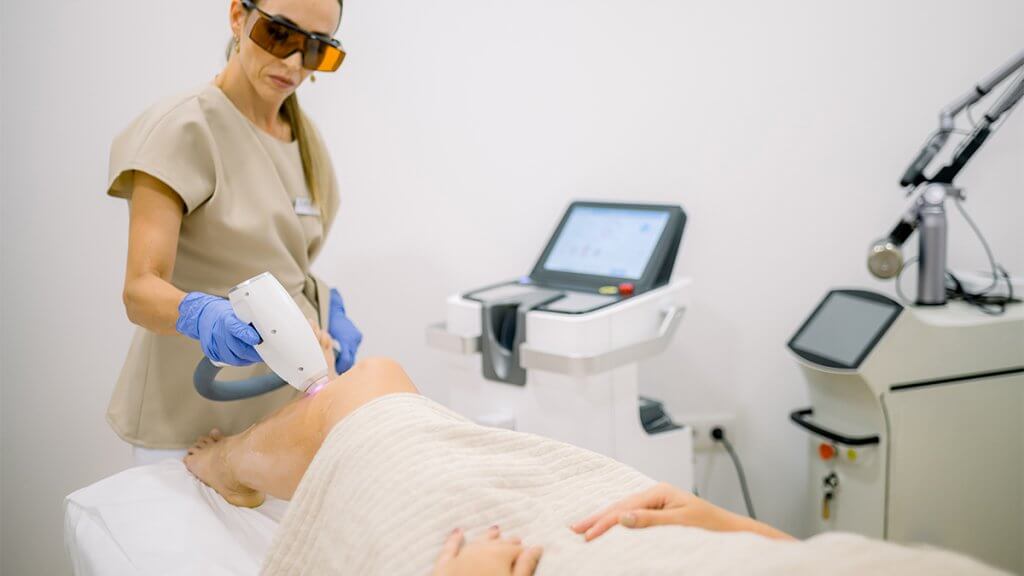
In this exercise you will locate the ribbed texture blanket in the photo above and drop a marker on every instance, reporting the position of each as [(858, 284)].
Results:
[(394, 478)]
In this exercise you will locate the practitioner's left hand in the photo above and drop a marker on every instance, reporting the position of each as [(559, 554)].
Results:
[(344, 332), (490, 555)]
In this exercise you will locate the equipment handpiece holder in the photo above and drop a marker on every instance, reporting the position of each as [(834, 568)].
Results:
[(926, 210), (289, 346)]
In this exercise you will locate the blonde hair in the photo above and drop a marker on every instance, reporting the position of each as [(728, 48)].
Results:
[(310, 151)]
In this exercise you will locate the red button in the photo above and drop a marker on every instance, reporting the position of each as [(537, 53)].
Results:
[(626, 289), (826, 451)]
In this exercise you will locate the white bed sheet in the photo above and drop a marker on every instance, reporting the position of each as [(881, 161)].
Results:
[(160, 520)]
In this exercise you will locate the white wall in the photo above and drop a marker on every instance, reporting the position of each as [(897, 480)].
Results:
[(460, 130)]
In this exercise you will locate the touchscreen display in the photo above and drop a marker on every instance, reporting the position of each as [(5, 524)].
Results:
[(611, 242), (845, 328)]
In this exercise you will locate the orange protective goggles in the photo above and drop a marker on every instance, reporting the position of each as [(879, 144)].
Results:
[(282, 38)]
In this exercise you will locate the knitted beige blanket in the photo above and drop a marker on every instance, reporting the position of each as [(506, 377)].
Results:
[(395, 477)]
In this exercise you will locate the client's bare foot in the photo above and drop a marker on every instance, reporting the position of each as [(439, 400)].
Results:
[(207, 459)]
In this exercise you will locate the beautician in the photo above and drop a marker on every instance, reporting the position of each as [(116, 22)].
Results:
[(224, 182)]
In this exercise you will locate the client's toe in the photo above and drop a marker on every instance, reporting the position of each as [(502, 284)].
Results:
[(205, 461)]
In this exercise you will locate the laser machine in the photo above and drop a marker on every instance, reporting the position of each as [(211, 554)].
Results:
[(916, 421), (556, 352)]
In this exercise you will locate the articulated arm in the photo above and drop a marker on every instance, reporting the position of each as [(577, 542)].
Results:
[(914, 174)]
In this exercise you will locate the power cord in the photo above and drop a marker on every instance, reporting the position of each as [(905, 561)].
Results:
[(718, 434), (987, 303)]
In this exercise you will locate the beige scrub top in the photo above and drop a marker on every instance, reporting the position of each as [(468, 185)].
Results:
[(239, 186)]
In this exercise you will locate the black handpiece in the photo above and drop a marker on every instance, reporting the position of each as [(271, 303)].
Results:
[(915, 172)]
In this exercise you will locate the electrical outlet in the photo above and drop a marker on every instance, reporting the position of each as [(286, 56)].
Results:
[(702, 423)]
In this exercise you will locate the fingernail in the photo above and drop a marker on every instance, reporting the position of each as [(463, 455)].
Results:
[(495, 527), (628, 520), (456, 531)]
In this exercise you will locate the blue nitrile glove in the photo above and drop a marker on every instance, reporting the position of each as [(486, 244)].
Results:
[(223, 337), (344, 332)]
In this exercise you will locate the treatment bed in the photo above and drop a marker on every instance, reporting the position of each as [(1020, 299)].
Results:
[(159, 519)]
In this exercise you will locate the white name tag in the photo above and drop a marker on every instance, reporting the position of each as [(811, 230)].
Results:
[(305, 207)]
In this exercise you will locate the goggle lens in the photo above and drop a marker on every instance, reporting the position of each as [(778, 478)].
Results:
[(281, 42)]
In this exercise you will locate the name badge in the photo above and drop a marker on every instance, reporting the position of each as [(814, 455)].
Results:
[(305, 207)]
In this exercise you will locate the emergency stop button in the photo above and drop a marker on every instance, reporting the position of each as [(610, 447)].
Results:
[(826, 451)]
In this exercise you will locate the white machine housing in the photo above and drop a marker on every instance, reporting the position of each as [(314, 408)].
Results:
[(943, 392), (581, 377), (289, 347)]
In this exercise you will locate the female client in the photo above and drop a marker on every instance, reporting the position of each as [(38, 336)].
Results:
[(378, 476)]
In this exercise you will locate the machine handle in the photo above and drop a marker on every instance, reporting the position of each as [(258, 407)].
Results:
[(579, 365), (800, 417), (439, 337), (205, 380)]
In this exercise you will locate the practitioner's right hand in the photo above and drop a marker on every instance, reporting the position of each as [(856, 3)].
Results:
[(222, 336), (490, 555)]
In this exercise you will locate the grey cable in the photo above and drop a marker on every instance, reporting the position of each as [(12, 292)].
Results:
[(970, 116), (899, 277), (981, 237), (739, 473)]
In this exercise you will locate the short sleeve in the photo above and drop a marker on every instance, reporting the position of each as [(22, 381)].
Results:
[(171, 142)]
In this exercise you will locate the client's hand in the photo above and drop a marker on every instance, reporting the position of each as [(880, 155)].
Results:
[(665, 504), (491, 555)]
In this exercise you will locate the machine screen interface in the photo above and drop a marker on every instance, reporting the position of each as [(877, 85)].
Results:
[(844, 328), (608, 242)]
